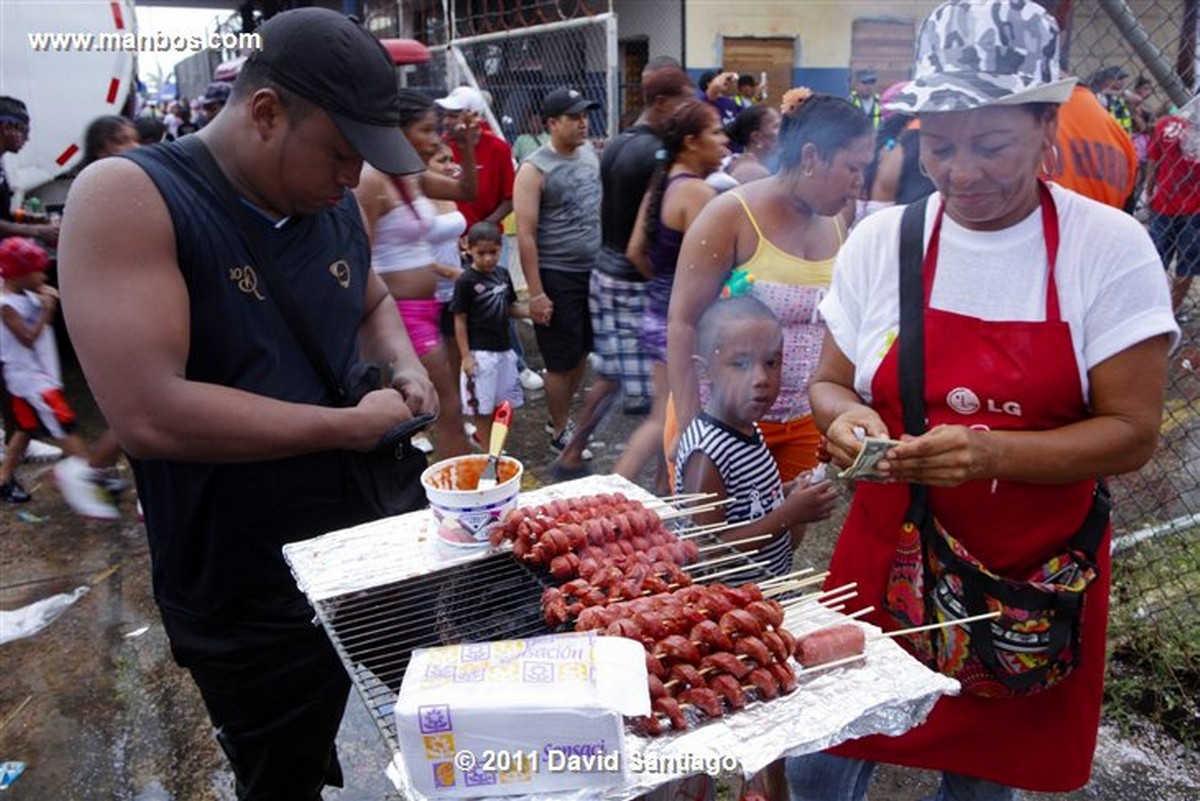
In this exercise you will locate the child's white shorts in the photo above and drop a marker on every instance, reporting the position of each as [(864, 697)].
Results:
[(496, 379)]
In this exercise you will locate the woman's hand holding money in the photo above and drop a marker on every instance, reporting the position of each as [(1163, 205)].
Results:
[(844, 441), (945, 456)]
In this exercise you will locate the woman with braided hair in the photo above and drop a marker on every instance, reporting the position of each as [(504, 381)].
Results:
[(693, 146), (404, 227)]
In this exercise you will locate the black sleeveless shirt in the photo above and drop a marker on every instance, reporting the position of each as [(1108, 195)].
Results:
[(216, 530)]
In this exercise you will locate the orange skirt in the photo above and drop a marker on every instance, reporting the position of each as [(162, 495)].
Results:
[(793, 444)]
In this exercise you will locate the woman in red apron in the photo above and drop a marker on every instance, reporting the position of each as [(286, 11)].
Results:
[(1028, 397)]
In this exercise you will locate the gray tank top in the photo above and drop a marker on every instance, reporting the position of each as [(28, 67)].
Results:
[(568, 235)]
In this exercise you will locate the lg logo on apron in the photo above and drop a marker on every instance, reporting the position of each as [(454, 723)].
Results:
[(964, 401)]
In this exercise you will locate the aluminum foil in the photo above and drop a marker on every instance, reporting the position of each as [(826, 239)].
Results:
[(887, 692), (405, 546)]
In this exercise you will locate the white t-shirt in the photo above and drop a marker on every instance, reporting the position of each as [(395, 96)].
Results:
[(28, 372), (1112, 289)]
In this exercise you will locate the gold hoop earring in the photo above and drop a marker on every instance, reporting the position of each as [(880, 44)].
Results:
[(921, 169), (808, 173), (1055, 164)]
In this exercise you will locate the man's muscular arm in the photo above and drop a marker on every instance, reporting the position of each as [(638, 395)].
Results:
[(127, 309)]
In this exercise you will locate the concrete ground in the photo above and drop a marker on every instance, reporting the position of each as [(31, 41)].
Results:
[(96, 709)]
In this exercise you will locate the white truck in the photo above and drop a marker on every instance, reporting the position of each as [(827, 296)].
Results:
[(70, 62)]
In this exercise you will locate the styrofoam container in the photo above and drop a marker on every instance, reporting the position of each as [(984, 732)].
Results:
[(519, 717), (465, 517)]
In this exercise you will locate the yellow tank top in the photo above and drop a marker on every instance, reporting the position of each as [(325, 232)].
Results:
[(792, 288), (769, 263)]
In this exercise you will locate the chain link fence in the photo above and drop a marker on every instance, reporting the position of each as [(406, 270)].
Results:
[(1155, 629), (517, 53)]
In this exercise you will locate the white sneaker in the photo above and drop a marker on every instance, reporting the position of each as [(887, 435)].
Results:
[(560, 442), (83, 491), (531, 380), (39, 451)]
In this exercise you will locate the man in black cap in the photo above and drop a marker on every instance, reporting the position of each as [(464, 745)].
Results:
[(14, 133), (216, 95), (862, 94), (1109, 85), (556, 197), (238, 443)]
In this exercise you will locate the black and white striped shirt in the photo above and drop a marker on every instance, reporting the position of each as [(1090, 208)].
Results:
[(749, 474)]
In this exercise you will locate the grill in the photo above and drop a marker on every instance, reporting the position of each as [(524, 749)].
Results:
[(376, 630), (385, 588)]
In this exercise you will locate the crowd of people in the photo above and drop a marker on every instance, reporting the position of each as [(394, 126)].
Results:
[(733, 262)]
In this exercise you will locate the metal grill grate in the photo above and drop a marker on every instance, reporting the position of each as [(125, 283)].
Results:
[(495, 598), (376, 630)]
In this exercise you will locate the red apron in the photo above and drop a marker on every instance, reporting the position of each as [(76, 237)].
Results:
[(1013, 376)]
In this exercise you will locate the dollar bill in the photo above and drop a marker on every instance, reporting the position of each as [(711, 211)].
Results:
[(873, 451)]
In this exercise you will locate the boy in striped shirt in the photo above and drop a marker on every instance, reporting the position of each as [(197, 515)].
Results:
[(740, 352)]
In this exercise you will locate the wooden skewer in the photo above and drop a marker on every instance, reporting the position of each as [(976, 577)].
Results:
[(738, 569), (715, 546), (687, 497), (808, 611), (943, 625), (866, 610), (801, 607), (786, 577), (818, 597), (696, 531), (779, 589), (837, 599), (719, 560), (708, 507)]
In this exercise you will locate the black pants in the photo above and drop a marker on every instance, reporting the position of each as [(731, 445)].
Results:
[(276, 701)]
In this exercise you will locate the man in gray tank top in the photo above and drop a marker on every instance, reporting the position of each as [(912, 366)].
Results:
[(556, 198)]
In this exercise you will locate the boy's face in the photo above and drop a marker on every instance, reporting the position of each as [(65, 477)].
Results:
[(30, 281), (745, 369), (485, 255)]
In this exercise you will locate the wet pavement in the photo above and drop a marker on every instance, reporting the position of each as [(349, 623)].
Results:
[(95, 707)]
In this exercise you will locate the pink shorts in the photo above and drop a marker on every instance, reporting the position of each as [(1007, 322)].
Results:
[(421, 319)]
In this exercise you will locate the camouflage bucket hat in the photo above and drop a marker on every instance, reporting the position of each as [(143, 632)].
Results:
[(975, 53)]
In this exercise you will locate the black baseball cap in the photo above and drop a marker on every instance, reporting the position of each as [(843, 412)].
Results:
[(216, 92), (866, 76), (332, 61), (565, 100)]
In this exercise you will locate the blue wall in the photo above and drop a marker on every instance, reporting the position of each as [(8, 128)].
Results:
[(827, 80)]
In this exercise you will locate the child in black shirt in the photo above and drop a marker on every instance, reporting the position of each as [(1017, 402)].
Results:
[(482, 303)]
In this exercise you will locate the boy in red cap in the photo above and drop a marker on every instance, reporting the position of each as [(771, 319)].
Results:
[(31, 371)]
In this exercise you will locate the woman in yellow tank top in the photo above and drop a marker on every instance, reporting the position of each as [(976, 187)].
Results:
[(784, 230)]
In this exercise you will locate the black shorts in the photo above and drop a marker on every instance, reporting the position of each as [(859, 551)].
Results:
[(276, 705), (567, 340)]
